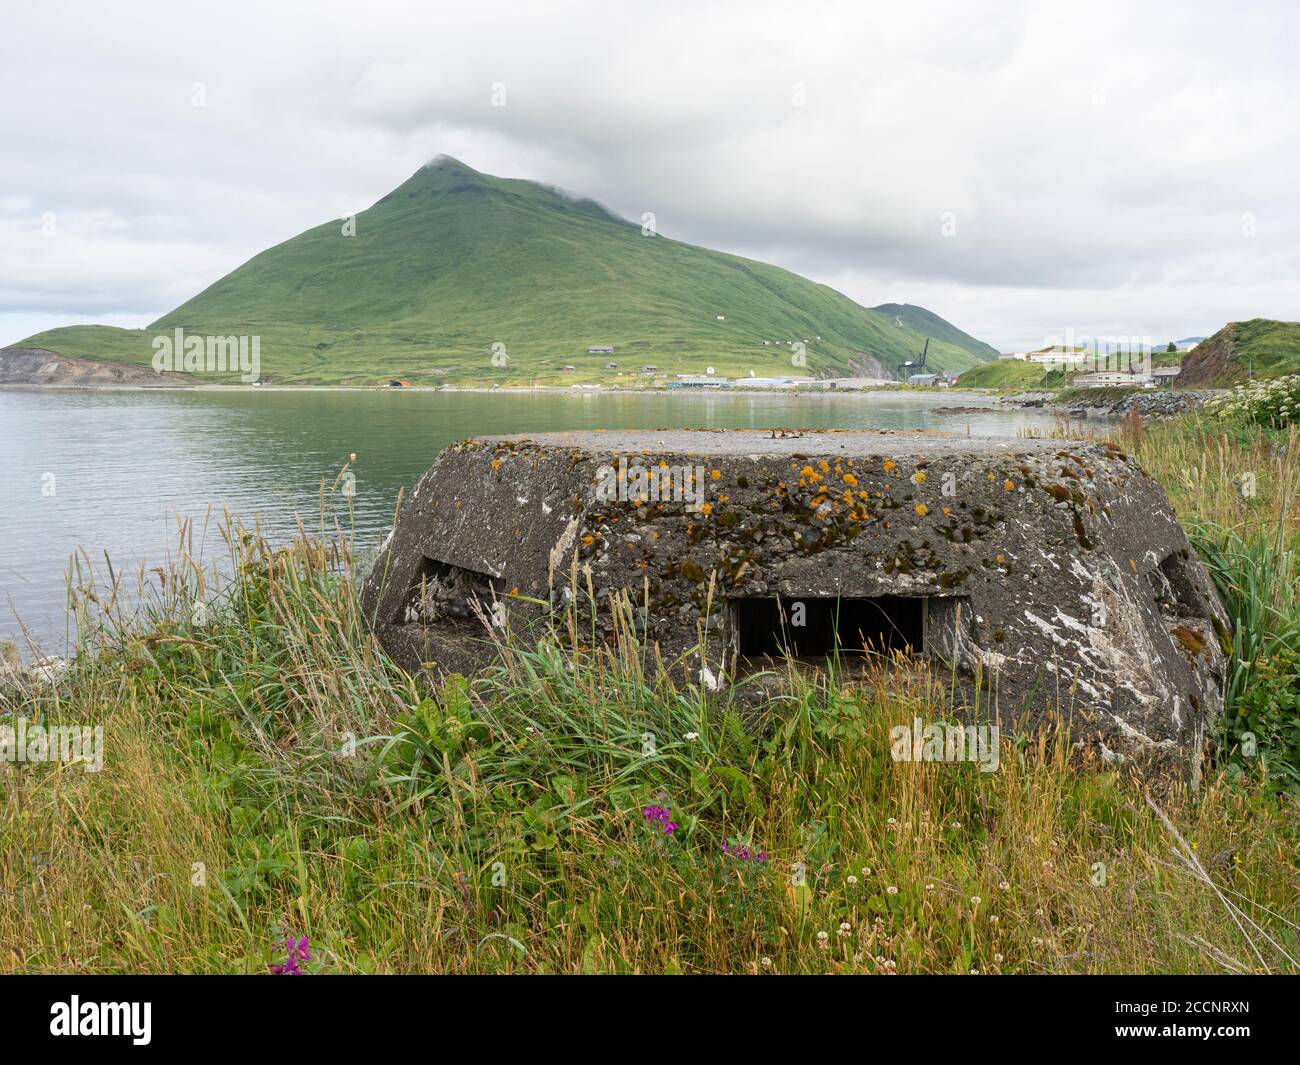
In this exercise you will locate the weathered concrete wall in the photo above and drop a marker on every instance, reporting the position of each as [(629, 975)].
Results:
[(1055, 574)]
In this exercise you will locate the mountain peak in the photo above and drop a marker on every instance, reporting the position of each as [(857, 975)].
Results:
[(440, 175), (449, 164), (455, 260)]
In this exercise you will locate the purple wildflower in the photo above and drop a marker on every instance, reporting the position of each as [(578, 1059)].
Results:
[(298, 950), (660, 815), (743, 853)]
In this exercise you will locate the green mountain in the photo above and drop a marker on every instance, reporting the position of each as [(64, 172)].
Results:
[(453, 262), (1260, 348), (927, 323)]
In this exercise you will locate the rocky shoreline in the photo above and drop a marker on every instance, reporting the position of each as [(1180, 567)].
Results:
[(17, 678), (1157, 403)]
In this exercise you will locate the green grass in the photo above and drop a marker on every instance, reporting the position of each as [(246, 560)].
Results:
[(1264, 349), (269, 772), (454, 261), (1004, 374)]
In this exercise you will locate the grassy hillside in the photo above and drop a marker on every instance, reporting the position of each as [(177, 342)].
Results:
[(1260, 348), (1007, 373), (454, 261), (918, 319)]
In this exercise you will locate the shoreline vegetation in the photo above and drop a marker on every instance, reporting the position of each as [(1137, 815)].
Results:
[(269, 774)]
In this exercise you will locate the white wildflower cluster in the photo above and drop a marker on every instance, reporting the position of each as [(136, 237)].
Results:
[(1275, 402)]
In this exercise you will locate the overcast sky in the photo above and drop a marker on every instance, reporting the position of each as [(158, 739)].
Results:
[(1021, 169)]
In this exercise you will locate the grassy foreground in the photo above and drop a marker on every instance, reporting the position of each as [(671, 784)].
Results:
[(269, 774)]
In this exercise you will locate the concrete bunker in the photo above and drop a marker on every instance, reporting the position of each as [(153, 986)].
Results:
[(1042, 575)]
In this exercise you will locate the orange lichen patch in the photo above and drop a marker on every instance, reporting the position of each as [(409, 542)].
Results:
[(1009, 485), (496, 465), (947, 512), (716, 475), (1132, 565), (824, 466), (918, 477), (706, 509), (889, 465), (922, 509), (588, 539), (1000, 559), (654, 535), (724, 499), (992, 477), (1191, 641), (850, 480)]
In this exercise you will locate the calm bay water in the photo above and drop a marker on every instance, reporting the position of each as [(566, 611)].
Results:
[(112, 471)]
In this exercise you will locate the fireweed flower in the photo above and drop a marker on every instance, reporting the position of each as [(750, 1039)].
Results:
[(298, 950), (659, 814), (743, 853)]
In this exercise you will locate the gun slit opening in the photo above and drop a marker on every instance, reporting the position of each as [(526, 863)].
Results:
[(809, 626), (445, 593)]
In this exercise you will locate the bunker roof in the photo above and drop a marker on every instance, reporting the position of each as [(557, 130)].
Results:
[(743, 443)]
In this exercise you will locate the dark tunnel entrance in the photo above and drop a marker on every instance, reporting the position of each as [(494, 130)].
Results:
[(808, 627)]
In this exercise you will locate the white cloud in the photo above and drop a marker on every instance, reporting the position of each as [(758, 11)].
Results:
[(1099, 160)]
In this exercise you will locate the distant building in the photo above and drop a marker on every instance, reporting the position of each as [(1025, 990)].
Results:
[(650, 369), (1163, 376), (1109, 379), (691, 380), (611, 366), (765, 382), (1058, 358), (569, 369), (601, 349), (1011, 355), (923, 379)]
